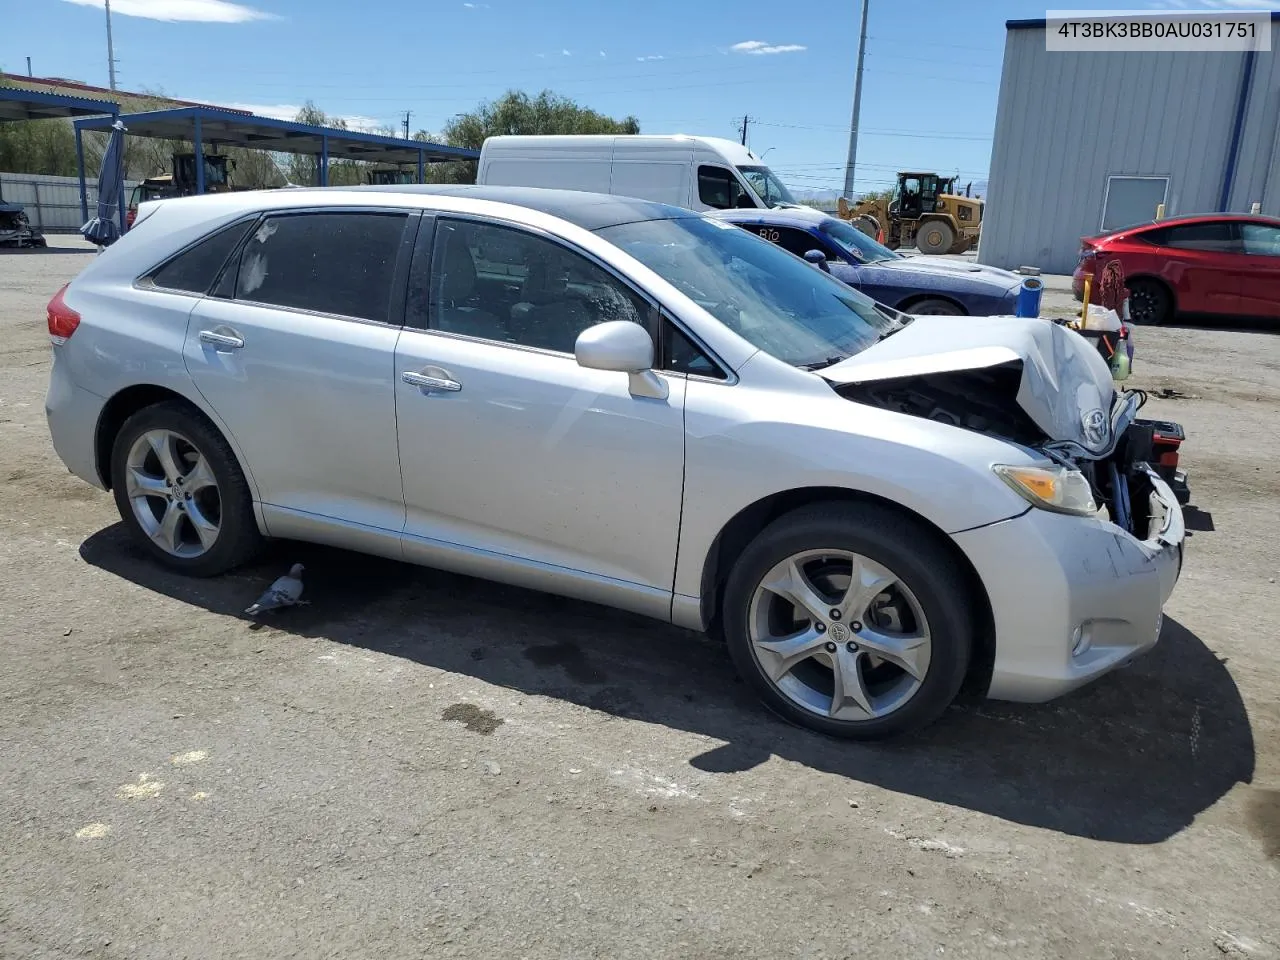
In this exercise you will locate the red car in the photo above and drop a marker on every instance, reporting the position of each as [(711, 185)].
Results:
[(1223, 264)]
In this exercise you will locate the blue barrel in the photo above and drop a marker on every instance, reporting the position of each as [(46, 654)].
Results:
[(1029, 298)]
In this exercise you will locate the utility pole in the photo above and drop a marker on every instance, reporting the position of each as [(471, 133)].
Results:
[(745, 121), (857, 106), (29, 73), (407, 115), (111, 53)]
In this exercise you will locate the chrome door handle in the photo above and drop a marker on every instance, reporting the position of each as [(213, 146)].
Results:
[(220, 340), (430, 383)]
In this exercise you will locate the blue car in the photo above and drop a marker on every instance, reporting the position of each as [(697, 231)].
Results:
[(912, 284)]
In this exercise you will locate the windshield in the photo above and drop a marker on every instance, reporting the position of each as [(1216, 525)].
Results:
[(772, 299), (851, 240), (768, 187)]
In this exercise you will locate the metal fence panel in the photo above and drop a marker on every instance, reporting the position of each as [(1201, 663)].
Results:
[(52, 203)]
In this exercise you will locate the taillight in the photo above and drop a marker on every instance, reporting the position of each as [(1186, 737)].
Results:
[(62, 319)]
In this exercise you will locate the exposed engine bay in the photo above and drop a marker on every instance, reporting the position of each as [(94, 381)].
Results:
[(985, 400)]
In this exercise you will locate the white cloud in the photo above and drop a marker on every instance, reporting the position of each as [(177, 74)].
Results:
[(541, 56), (193, 11), (289, 111), (476, 6), (602, 56), (278, 111), (566, 53), (759, 47), (651, 57)]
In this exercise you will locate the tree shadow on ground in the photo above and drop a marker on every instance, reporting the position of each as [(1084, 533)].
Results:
[(1132, 758)]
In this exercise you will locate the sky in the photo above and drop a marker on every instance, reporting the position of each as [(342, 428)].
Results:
[(930, 82)]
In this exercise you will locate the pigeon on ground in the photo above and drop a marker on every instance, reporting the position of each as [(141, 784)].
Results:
[(285, 592)]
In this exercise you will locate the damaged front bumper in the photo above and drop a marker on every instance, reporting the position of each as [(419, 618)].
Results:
[(1075, 597)]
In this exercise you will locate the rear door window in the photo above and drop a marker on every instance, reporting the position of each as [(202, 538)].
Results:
[(335, 263), (792, 240), (194, 270), (1219, 237)]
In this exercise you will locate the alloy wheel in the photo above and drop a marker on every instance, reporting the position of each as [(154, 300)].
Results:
[(839, 635), (173, 493)]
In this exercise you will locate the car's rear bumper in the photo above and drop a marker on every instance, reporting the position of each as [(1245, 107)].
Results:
[(1073, 597), (73, 414)]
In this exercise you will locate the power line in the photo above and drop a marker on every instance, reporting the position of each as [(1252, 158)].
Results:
[(873, 133), (931, 43)]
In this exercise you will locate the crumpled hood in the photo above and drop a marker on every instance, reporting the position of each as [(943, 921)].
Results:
[(1066, 387), (947, 267)]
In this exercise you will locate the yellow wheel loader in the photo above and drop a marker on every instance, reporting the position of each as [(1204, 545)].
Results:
[(924, 212)]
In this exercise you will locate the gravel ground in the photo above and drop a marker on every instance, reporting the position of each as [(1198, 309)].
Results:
[(421, 764)]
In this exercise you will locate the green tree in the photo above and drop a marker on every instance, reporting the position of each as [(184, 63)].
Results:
[(303, 169), (516, 113)]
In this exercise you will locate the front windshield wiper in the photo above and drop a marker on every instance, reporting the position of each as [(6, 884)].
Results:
[(823, 364), (901, 320)]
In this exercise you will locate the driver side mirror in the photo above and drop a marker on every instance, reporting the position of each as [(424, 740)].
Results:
[(818, 259), (624, 347)]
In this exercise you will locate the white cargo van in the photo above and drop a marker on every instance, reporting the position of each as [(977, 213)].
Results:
[(700, 173)]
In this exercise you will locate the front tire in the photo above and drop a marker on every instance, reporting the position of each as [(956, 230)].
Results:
[(181, 492), (849, 620), (934, 237)]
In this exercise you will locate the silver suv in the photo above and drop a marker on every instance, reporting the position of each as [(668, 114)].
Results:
[(631, 404)]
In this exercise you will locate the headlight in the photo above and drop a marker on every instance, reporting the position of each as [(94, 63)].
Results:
[(1051, 487)]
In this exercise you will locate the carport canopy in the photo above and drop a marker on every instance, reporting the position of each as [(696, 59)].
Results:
[(17, 103), (213, 127)]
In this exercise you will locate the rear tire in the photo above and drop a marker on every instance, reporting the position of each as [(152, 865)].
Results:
[(823, 672), (181, 492), (1150, 302), (934, 237), (934, 307)]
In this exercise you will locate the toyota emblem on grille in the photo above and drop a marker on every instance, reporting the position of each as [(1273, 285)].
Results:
[(1095, 426)]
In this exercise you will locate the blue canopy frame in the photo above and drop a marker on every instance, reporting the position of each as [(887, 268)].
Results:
[(211, 126), (18, 103)]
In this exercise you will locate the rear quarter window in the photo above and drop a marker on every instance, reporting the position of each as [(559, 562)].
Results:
[(195, 269)]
